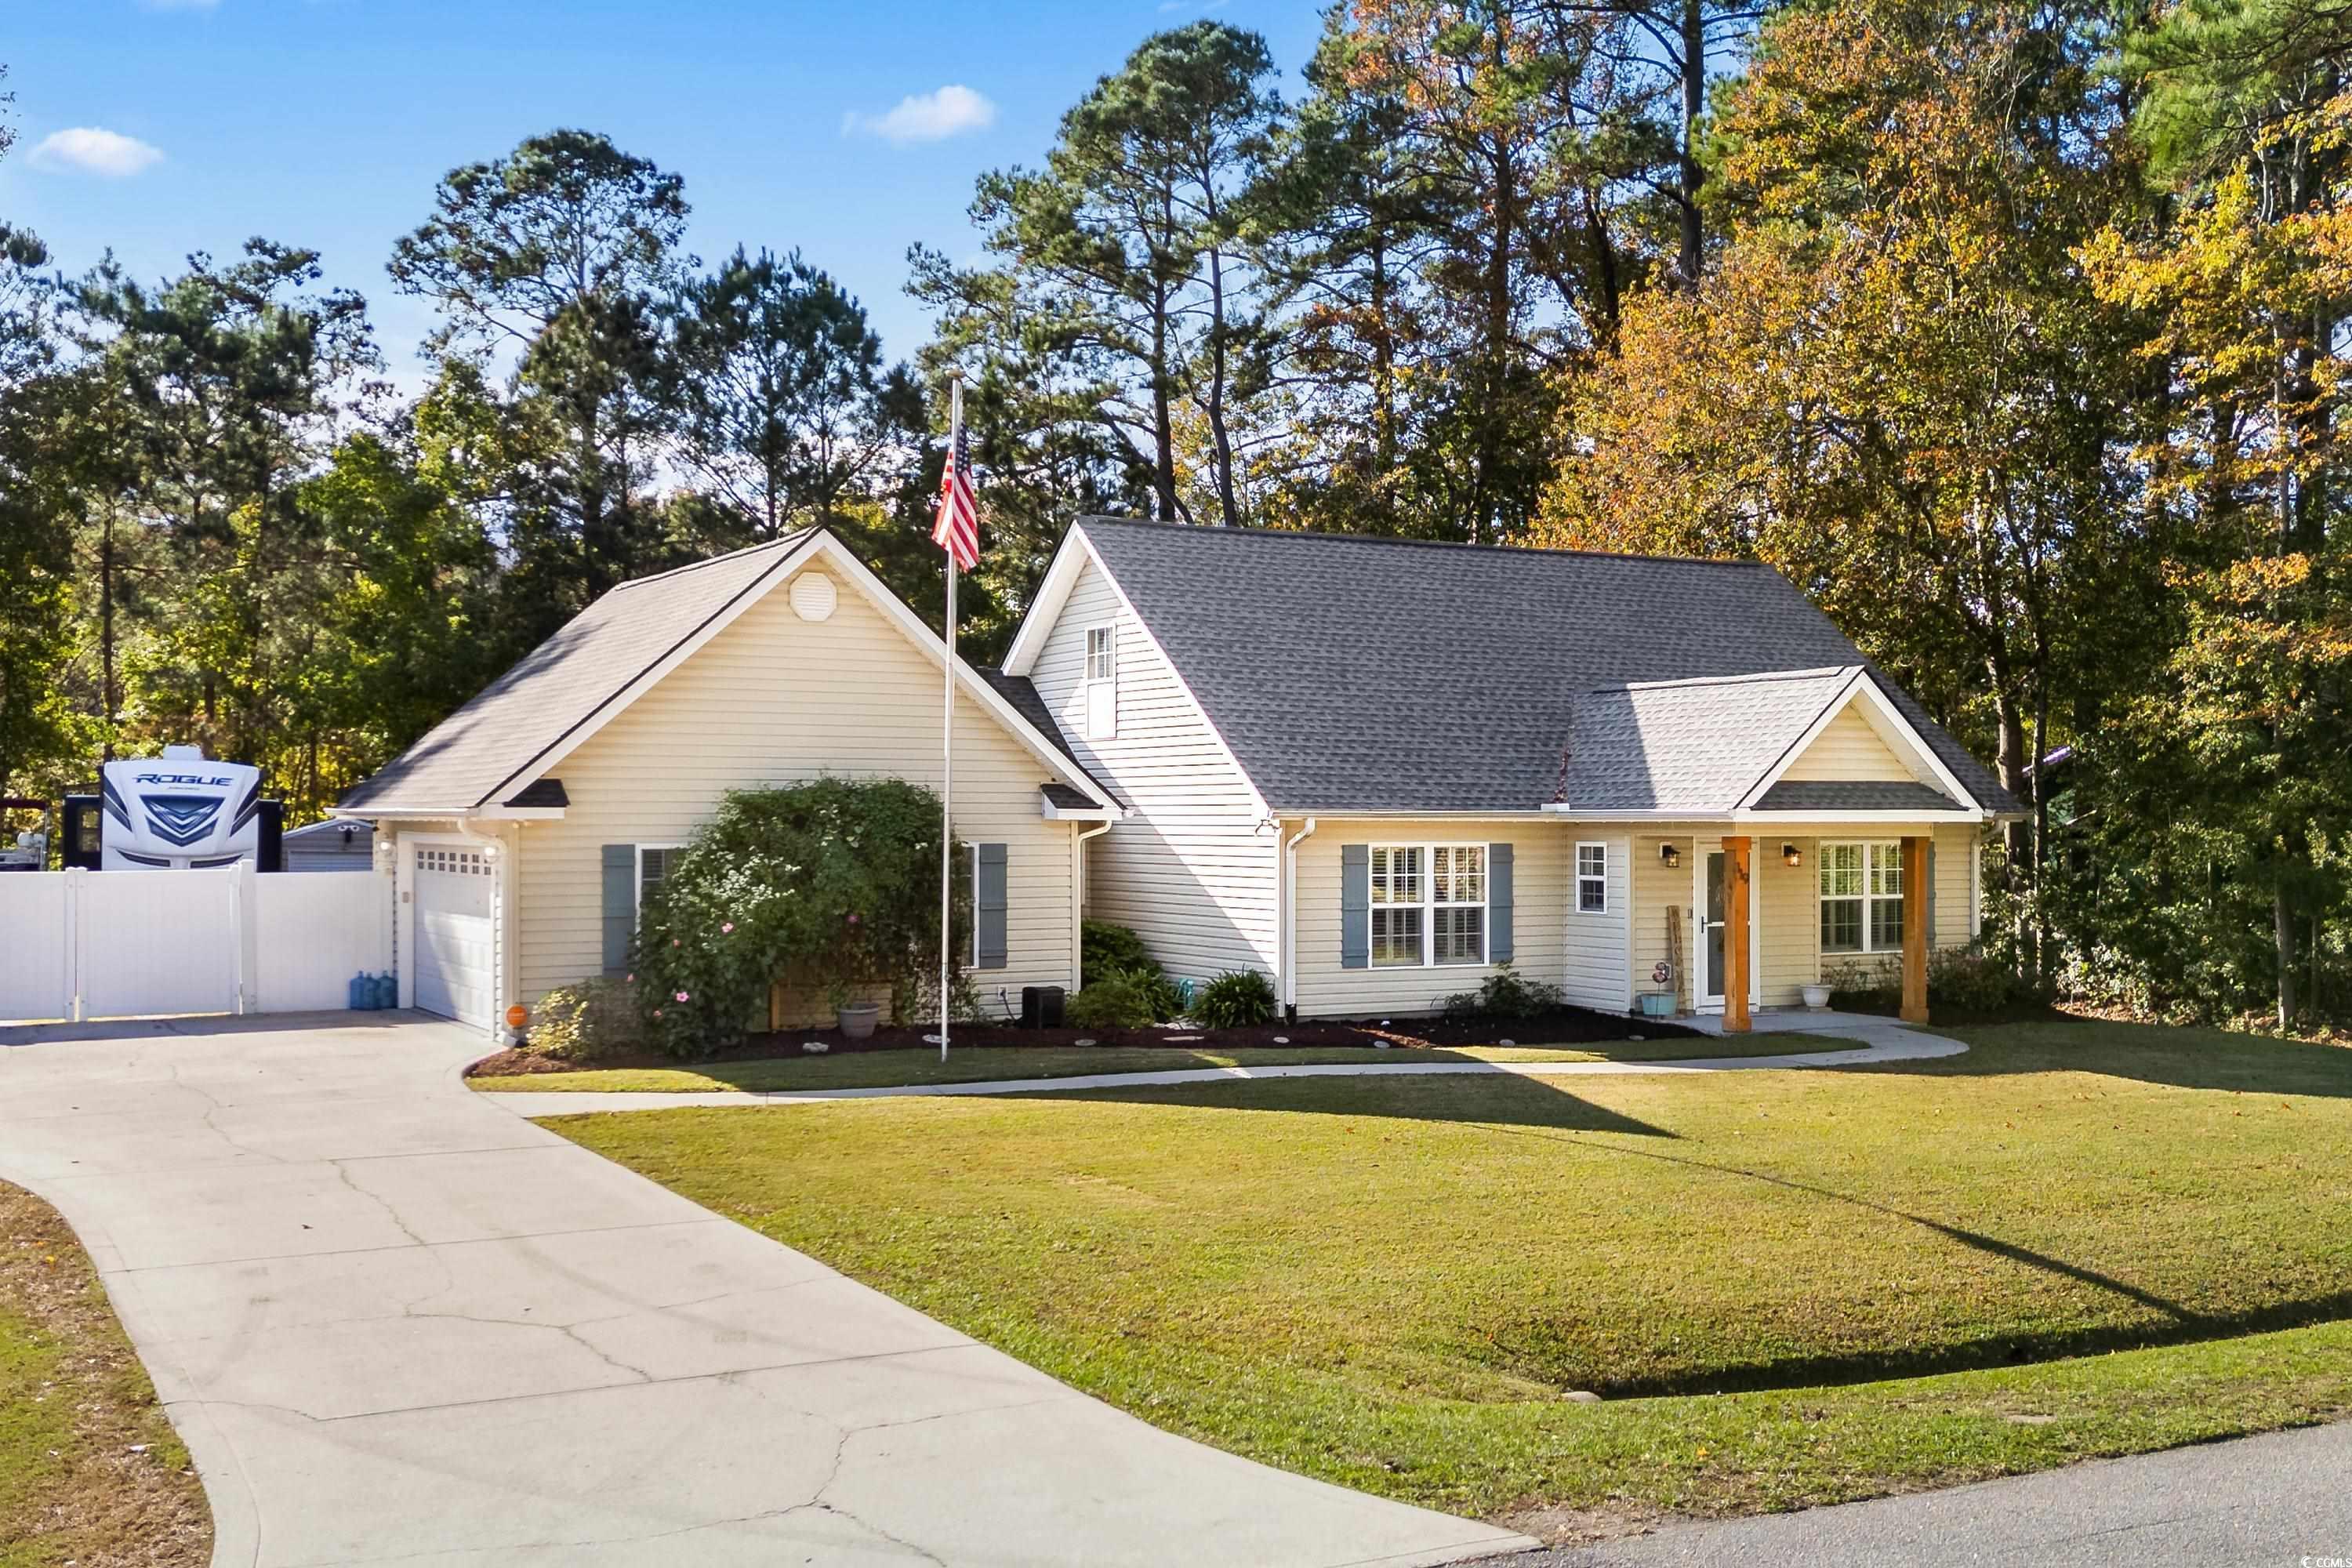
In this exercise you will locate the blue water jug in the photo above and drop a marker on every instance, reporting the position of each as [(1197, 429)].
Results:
[(387, 991), (361, 992)]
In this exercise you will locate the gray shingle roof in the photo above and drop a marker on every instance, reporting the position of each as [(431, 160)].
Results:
[(1017, 690), (1355, 673), (1688, 745), (1860, 794), (561, 684)]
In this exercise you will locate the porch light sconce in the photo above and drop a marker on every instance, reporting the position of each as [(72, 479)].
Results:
[(1670, 855), (1791, 857)]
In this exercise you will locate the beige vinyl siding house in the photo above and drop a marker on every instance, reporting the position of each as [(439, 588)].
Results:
[(1324, 986), (527, 824), (1192, 868), (1284, 714), (773, 698)]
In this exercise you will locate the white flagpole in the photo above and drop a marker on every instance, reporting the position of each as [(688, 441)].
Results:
[(947, 738)]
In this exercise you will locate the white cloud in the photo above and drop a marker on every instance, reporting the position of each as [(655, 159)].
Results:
[(87, 150), (926, 117)]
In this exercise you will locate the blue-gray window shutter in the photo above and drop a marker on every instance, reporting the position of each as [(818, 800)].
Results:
[(1931, 892), (1355, 906), (1498, 904), (988, 906), (620, 905)]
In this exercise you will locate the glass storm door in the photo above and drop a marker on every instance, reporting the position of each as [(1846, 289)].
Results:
[(1712, 868)]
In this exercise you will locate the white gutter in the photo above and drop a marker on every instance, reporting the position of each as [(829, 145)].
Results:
[(1290, 915), (1078, 903)]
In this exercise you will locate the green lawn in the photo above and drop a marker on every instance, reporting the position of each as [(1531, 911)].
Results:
[(1793, 1286), (880, 1070), (90, 1472)]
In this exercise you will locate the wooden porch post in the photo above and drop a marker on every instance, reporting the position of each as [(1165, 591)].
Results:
[(1915, 930), (1735, 852)]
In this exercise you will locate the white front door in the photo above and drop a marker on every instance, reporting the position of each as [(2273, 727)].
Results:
[(455, 957), (1707, 900), (1709, 873)]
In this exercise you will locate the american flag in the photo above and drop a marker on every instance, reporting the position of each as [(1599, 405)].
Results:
[(957, 531)]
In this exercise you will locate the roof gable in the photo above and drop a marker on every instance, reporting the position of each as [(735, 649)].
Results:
[(1349, 672), (528, 720)]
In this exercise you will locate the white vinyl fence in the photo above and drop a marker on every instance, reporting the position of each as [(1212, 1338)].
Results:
[(112, 944)]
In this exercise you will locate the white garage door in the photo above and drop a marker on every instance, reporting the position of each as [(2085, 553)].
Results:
[(456, 958)]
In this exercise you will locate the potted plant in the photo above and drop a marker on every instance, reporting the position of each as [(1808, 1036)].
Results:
[(855, 1019), (1817, 997)]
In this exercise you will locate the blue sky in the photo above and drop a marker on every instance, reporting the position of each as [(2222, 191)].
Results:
[(325, 122)]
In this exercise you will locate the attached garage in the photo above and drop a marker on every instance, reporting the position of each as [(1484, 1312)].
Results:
[(786, 661), (454, 959)]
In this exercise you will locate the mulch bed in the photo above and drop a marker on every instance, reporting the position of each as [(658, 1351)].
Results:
[(1567, 1026)]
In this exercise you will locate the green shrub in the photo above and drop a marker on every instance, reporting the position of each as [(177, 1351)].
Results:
[(824, 884), (1859, 987), (591, 1021), (1119, 1002), (1237, 999), (1105, 949), (1967, 980), (1506, 994)]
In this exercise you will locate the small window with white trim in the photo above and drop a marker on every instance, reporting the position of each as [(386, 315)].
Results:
[(653, 861), (1428, 904), (1593, 878), (1861, 897), (1102, 682)]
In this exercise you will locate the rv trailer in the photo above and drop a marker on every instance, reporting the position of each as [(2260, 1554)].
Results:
[(174, 813)]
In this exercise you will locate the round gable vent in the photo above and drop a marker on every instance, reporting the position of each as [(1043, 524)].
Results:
[(814, 596)]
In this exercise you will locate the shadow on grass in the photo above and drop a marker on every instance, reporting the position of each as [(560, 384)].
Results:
[(2164, 1053), (2172, 1324), (1504, 1101)]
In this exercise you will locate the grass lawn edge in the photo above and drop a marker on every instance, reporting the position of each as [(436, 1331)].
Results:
[(893, 1069), (90, 1469)]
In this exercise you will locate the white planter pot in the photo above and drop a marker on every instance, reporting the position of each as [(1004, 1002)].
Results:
[(857, 1022), (1817, 997)]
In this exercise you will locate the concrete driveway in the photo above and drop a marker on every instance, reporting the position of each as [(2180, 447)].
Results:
[(395, 1323)]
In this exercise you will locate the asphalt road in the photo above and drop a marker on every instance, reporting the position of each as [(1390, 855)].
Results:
[(2285, 1498)]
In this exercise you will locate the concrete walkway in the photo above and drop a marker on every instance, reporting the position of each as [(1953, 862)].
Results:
[(395, 1322), (1884, 1040)]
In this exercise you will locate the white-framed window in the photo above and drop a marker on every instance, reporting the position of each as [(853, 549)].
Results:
[(1428, 904), (1593, 878), (653, 861), (456, 862), (1861, 897), (1102, 682)]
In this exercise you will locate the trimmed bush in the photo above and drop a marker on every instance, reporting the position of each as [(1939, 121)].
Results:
[(1965, 980), (1237, 999), (1857, 987), (831, 885), (591, 1021), (1121, 1002), (1506, 994), (1105, 948)]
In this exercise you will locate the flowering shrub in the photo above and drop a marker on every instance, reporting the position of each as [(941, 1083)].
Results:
[(831, 883)]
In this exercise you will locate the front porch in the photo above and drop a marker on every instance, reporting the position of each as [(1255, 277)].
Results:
[(1734, 924)]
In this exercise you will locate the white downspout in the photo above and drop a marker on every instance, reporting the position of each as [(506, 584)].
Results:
[(1078, 903), (1290, 915)]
